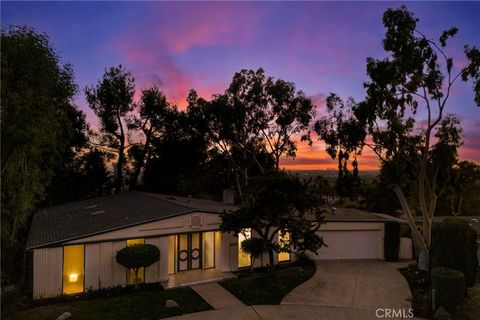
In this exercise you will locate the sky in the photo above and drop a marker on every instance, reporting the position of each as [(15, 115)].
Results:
[(320, 46)]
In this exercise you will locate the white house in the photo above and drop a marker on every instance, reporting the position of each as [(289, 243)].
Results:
[(74, 244)]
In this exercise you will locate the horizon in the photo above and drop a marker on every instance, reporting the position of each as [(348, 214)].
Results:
[(182, 46)]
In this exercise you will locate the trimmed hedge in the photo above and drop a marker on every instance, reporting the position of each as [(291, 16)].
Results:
[(454, 246), (391, 241), (449, 286)]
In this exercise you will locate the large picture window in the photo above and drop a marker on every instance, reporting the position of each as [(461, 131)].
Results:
[(131, 272), (73, 269), (244, 258)]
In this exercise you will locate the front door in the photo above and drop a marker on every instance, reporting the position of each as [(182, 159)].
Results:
[(189, 255)]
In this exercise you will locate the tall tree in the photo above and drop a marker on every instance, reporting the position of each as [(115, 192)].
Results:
[(152, 111), (277, 202), (112, 101), (414, 81), (39, 126)]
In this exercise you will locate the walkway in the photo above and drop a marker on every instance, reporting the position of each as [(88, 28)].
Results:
[(217, 296)]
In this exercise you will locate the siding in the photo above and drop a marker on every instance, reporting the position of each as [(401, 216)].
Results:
[(158, 272), (47, 272)]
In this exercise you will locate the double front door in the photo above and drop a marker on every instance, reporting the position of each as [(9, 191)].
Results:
[(189, 255)]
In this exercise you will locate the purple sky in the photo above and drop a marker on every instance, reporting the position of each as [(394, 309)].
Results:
[(321, 46)]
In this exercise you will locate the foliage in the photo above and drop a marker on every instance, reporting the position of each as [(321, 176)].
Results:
[(40, 126), (278, 202), (449, 286), (112, 101), (255, 247), (416, 78), (261, 288), (391, 240), (454, 246), (137, 256), (133, 306), (419, 283)]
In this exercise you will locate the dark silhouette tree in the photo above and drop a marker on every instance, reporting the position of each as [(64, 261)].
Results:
[(112, 101), (277, 202), (255, 247), (40, 128), (415, 79)]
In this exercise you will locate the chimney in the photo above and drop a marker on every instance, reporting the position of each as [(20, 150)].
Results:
[(228, 197)]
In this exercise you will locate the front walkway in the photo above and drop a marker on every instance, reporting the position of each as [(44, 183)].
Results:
[(217, 296), (339, 290), (193, 277)]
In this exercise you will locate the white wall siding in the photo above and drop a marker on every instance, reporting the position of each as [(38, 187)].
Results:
[(119, 273), (92, 266), (106, 264), (158, 272), (47, 272)]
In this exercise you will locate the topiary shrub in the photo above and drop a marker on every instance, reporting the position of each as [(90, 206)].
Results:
[(391, 241), (255, 247), (138, 256), (449, 286), (454, 245)]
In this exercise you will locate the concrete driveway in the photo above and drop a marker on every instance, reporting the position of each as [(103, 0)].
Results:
[(339, 290), (356, 288)]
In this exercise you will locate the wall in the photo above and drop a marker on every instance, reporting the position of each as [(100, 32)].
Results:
[(47, 272)]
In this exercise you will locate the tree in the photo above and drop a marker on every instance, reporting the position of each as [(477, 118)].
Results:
[(277, 202), (415, 80), (112, 101), (40, 125), (138, 256), (255, 247), (153, 109)]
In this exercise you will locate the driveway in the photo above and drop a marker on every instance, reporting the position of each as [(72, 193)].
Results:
[(339, 290), (357, 287)]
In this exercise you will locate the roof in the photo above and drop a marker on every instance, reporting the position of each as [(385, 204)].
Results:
[(355, 215), (84, 218)]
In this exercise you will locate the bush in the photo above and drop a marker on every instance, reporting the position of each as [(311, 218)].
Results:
[(449, 286), (454, 246), (303, 260), (391, 241), (138, 256)]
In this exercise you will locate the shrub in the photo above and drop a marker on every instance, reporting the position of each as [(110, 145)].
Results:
[(302, 259), (138, 256), (449, 286), (255, 247), (391, 241), (454, 246)]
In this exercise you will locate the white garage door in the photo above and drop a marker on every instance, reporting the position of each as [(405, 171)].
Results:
[(351, 244)]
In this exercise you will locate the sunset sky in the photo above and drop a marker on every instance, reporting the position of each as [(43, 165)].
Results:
[(320, 46)]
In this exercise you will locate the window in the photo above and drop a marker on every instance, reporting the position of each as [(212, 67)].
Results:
[(131, 272), (282, 238), (208, 250), (73, 269), (244, 258)]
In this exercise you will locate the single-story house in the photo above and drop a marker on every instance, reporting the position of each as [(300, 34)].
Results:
[(74, 244)]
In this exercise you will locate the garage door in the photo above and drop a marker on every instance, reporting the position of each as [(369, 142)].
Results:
[(351, 244)]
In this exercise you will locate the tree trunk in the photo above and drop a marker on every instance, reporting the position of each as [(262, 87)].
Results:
[(420, 243), (120, 162), (136, 279), (271, 261)]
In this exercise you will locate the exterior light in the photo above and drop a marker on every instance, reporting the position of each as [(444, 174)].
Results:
[(73, 277)]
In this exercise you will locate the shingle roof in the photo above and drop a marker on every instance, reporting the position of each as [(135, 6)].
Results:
[(355, 215), (79, 219)]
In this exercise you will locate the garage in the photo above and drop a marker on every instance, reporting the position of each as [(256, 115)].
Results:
[(351, 234)]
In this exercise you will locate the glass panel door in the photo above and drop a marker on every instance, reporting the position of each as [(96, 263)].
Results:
[(195, 251), (208, 250), (183, 254)]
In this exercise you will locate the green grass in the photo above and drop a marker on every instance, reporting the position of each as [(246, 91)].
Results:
[(262, 288), (134, 306)]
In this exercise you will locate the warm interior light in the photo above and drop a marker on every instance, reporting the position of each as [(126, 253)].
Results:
[(73, 277)]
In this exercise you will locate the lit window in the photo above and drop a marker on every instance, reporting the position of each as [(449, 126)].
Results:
[(243, 258), (208, 250), (131, 272), (283, 238), (73, 269)]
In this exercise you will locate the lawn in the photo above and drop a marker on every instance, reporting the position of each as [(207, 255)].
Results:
[(262, 288), (133, 306)]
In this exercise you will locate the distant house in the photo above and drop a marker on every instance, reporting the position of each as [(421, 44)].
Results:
[(74, 244)]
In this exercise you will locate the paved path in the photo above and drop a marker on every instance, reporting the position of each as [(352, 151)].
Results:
[(339, 290), (217, 296)]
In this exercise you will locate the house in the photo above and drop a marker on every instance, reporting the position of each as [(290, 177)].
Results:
[(74, 244)]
